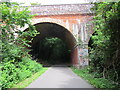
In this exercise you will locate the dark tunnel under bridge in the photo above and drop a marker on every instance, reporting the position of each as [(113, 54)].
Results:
[(52, 30)]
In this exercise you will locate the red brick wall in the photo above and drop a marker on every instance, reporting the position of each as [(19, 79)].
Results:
[(71, 19), (74, 57)]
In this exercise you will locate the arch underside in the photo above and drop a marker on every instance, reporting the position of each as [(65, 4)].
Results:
[(48, 29)]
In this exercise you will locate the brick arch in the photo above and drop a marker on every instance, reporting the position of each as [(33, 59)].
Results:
[(74, 50), (60, 25), (50, 20), (53, 21)]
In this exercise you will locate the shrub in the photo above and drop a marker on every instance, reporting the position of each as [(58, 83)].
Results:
[(16, 63)]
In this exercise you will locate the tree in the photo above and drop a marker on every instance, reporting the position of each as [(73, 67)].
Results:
[(105, 54), (16, 63)]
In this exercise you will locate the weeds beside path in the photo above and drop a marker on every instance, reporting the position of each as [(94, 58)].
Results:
[(96, 82), (29, 80)]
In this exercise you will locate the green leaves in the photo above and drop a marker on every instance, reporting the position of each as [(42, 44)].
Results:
[(97, 82), (106, 40), (13, 67)]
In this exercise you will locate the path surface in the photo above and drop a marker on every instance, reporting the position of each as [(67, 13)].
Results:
[(59, 77)]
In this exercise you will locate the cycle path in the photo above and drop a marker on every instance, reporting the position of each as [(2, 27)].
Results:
[(59, 77)]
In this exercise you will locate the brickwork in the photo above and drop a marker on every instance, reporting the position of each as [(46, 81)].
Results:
[(61, 9), (76, 18)]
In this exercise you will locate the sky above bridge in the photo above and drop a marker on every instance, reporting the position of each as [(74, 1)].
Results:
[(51, 2)]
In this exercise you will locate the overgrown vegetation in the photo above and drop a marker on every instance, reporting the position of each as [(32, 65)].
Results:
[(26, 82), (16, 64), (95, 81), (105, 51)]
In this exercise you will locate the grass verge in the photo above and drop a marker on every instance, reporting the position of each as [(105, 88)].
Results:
[(29, 80), (96, 82)]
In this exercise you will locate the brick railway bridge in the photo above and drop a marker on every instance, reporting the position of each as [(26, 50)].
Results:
[(69, 22)]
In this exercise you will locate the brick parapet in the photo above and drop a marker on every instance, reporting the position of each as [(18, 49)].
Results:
[(61, 9)]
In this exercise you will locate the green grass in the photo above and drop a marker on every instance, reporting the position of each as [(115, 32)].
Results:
[(96, 82), (29, 80)]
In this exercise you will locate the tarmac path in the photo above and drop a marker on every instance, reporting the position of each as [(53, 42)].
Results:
[(59, 77)]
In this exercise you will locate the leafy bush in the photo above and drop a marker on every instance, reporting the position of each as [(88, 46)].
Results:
[(14, 73), (16, 63), (105, 52)]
